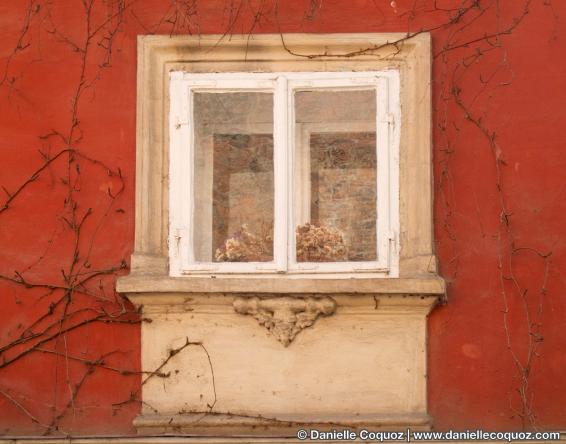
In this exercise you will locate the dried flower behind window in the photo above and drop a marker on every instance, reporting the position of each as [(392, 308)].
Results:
[(245, 246), (318, 243)]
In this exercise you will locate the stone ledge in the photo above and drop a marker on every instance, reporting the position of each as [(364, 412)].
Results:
[(279, 285), (235, 425)]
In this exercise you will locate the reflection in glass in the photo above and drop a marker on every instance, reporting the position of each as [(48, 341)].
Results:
[(233, 176), (336, 184)]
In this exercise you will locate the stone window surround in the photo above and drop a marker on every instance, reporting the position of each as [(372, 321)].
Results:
[(158, 55)]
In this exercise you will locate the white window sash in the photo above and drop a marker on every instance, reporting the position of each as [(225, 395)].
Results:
[(282, 85), (346, 82)]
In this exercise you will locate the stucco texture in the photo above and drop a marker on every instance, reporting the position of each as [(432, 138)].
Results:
[(496, 349)]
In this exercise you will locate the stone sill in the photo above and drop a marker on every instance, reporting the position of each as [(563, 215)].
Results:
[(280, 285)]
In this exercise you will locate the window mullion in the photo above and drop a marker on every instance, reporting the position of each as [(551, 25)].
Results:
[(280, 117), (383, 195)]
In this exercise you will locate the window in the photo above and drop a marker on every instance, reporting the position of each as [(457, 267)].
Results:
[(284, 172), (258, 137), (302, 188)]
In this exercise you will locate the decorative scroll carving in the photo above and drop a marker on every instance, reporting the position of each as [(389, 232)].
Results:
[(285, 316)]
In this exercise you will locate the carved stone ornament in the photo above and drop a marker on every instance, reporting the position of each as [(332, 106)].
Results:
[(285, 316)]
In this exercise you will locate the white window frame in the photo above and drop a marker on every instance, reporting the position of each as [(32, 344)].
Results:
[(283, 85)]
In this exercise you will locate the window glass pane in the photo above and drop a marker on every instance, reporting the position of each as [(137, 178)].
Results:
[(335, 175), (233, 176)]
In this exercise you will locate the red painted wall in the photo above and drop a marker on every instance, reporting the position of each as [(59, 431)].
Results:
[(497, 351)]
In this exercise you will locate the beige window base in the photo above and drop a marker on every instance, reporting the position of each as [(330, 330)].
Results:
[(278, 351)]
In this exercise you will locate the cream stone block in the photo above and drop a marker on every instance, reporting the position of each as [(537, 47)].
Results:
[(365, 364)]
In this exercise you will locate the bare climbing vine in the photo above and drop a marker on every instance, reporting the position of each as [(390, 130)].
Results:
[(81, 292), (513, 287), (460, 49)]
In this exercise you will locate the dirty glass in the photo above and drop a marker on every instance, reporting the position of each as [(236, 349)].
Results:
[(233, 176), (336, 175)]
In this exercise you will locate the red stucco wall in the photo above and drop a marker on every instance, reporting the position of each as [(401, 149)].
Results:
[(497, 351)]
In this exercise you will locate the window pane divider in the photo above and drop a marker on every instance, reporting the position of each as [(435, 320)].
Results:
[(281, 184), (383, 166)]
